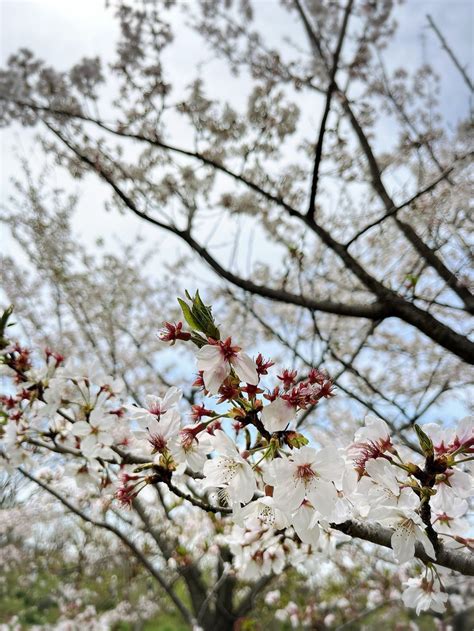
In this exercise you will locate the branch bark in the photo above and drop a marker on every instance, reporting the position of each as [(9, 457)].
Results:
[(462, 562)]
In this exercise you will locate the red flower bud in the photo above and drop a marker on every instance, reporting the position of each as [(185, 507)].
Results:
[(172, 332)]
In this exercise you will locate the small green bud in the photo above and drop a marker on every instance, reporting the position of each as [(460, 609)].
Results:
[(295, 440)]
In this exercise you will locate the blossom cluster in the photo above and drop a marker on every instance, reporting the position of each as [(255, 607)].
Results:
[(240, 453)]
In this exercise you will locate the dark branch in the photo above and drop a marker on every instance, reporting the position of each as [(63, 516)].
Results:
[(327, 107), (389, 304)]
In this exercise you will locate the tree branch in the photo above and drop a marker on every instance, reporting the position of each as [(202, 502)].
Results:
[(370, 311), (448, 49), (327, 107), (395, 209), (389, 302), (460, 561)]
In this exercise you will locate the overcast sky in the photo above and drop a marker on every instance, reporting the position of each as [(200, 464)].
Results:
[(63, 31)]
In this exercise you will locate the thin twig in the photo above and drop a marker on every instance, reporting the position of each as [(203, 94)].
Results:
[(327, 107), (451, 54)]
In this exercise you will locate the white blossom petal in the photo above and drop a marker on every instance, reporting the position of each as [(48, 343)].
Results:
[(245, 368)]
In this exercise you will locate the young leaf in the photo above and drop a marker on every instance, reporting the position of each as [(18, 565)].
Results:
[(188, 316), (425, 441)]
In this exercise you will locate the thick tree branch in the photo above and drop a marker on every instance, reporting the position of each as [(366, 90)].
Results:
[(389, 302), (370, 311), (460, 561)]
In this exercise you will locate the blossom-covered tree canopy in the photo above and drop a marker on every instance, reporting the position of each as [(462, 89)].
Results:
[(239, 456)]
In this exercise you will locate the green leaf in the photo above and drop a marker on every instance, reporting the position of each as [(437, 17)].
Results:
[(425, 441), (204, 315), (199, 316), (188, 316)]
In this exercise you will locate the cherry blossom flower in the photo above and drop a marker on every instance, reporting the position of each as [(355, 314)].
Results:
[(306, 473), (408, 529), (12, 443), (263, 364), (305, 524), (371, 495), (172, 332), (374, 430), (454, 483), (371, 441), (62, 432), (384, 486), (422, 595), (95, 434), (272, 597), (90, 378), (190, 448), (447, 517), (229, 470), (155, 406), (55, 392), (264, 510), (450, 440), (84, 474), (216, 360), (384, 473), (159, 430)]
